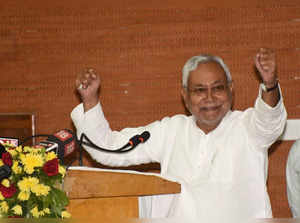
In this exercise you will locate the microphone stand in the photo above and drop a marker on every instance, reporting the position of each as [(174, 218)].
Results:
[(133, 142)]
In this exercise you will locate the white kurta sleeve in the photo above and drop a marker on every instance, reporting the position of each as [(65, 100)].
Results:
[(96, 127), (265, 123)]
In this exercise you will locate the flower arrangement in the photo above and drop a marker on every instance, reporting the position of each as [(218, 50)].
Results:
[(32, 188)]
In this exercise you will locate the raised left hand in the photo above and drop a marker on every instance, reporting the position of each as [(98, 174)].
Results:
[(265, 63)]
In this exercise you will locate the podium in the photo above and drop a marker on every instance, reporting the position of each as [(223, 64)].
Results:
[(104, 194)]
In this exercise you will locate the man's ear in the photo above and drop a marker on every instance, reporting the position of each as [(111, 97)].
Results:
[(231, 89), (183, 93), (184, 98)]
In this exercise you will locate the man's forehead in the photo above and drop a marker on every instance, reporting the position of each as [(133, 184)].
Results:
[(207, 74), (213, 83)]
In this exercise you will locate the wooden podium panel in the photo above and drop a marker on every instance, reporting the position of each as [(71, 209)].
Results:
[(111, 194), (104, 208), (94, 184)]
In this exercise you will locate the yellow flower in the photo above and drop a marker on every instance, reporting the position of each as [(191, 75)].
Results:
[(65, 214), (36, 150), (33, 150), (5, 183), (35, 212), (46, 211), (17, 210), (24, 195), (27, 183), (16, 168), (62, 170), (30, 161), (40, 190), (41, 213), (31, 188), (19, 149), (4, 207), (50, 156), (27, 149), (12, 152)]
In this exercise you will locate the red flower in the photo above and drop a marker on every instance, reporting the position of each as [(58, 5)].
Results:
[(8, 192), (51, 167), (7, 159)]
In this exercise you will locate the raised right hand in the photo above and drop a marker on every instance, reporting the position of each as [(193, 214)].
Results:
[(88, 84)]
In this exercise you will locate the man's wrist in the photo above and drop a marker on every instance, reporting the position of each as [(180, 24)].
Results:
[(267, 87), (90, 104)]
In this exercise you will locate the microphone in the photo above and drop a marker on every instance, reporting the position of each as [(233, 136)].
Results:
[(145, 136), (137, 139), (61, 142), (5, 172), (2, 150), (133, 142)]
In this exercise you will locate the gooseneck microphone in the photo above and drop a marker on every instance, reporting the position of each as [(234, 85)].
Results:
[(137, 139), (133, 142)]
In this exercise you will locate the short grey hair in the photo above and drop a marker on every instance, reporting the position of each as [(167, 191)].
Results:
[(193, 63)]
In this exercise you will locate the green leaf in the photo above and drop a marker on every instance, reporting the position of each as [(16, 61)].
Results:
[(59, 200)]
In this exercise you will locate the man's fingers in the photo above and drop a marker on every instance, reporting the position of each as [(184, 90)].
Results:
[(267, 64), (86, 78), (78, 84), (265, 60)]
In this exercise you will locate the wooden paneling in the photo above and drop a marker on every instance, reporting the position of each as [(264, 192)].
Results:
[(106, 194), (104, 208), (17, 125), (94, 184)]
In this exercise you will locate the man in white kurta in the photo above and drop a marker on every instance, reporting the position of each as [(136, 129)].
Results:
[(223, 170), (293, 179)]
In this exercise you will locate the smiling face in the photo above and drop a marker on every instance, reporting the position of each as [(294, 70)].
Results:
[(208, 96)]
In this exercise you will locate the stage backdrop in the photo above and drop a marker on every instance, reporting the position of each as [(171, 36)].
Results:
[(139, 48)]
